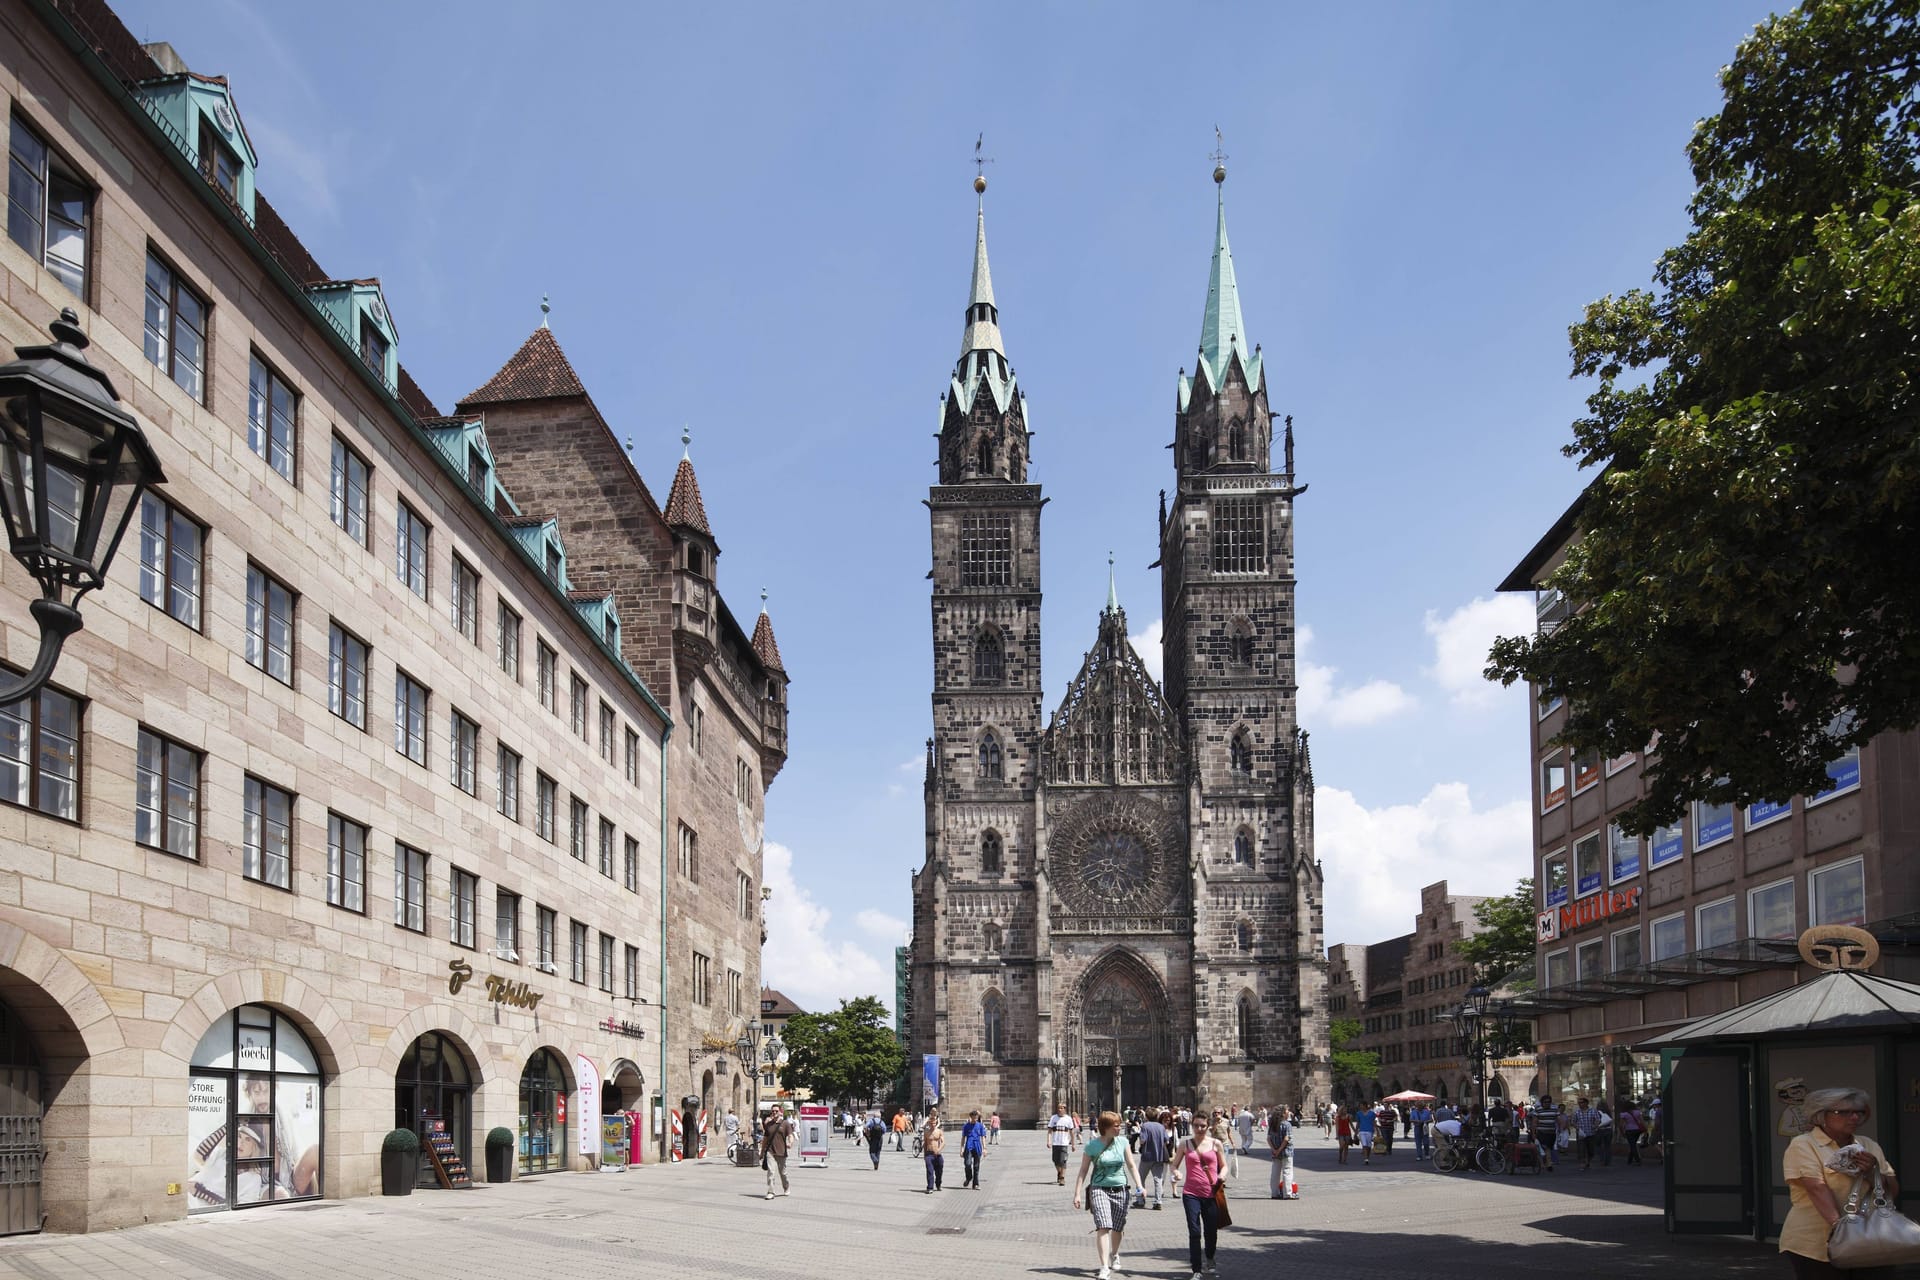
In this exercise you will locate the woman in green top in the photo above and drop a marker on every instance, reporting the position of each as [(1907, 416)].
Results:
[(1109, 1161)]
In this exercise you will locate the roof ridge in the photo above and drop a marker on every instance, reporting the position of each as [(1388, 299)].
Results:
[(539, 370)]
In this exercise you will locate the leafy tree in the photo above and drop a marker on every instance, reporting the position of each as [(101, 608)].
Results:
[(1351, 1064), (1745, 564), (848, 1053), (1502, 952)]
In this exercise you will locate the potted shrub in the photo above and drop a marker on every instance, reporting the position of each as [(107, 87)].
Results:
[(399, 1162), (499, 1154)]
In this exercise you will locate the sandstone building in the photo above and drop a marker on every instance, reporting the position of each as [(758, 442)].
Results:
[(1120, 902)]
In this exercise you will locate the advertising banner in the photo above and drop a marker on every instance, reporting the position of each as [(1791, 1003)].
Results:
[(816, 1131), (207, 1141), (1667, 844), (588, 1106), (930, 1072)]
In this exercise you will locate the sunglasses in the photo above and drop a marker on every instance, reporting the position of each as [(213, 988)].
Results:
[(1845, 1111)]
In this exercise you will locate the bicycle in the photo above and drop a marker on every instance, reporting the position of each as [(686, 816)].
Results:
[(1482, 1153), (918, 1143)]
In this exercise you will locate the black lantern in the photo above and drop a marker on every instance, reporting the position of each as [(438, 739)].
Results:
[(73, 465)]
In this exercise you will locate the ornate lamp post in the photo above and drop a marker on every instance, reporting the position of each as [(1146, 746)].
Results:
[(1469, 1021), (744, 1049), (73, 465)]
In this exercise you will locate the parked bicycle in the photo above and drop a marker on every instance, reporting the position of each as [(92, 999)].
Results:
[(1480, 1151)]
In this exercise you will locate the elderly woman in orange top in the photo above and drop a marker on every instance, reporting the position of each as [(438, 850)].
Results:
[(1818, 1190)]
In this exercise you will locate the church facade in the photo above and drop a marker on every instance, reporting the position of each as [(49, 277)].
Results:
[(1120, 903)]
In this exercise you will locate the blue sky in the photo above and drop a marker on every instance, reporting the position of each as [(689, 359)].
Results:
[(756, 220)]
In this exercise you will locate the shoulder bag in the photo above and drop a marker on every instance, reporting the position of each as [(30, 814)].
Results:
[(1222, 1216), (1874, 1234)]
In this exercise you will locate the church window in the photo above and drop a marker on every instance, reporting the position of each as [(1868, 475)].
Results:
[(990, 851), (1240, 643), (1237, 442), (1243, 847), (1197, 452), (989, 659), (1243, 936), (986, 551), (990, 939), (1244, 1023), (993, 1019), (1240, 755), (985, 463), (1239, 536), (991, 769)]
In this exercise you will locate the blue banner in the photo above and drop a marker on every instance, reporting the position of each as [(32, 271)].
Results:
[(1667, 844), (930, 1072), (1845, 773), (1764, 811), (1715, 822), (1625, 856)]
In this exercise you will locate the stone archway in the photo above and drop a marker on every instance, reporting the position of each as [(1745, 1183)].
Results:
[(1118, 1043)]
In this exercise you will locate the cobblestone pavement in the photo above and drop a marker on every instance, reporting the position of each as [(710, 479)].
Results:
[(1393, 1219)]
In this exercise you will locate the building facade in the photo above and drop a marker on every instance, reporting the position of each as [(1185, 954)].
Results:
[(776, 1010), (1120, 902), (352, 806), (1638, 936)]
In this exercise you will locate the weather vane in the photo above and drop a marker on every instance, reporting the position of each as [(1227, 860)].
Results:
[(980, 164)]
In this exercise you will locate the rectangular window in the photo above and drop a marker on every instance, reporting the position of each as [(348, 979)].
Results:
[(577, 703), (1770, 911), (373, 348), (577, 950), (606, 964), (218, 164), (463, 906), (1843, 772), (1837, 894), (40, 753), (544, 661), (268, 844), (412, 539), (986, 551), (689, 853), (742, 780), (351, 479), (1667, 937), (409, 888), (702, 980), (466, 600), (1623, 854), (1239, 535), (1712, 823), (736, 986), (463, 754), (1548, 704), (1617, 763), (744, 895), (630, 865), (607, 724), (1553, 781), (1626, 950), (49, 211), (167, 795), (1586, 770), (1559, 968), (171, 554), (632, 740), (175, 336), (633, 972), (346, 864), (1667, 845), (1762, 812), (410, 700), (1591, 959), (509, 647), (1714, 925), (546, 807), (697, 724), (269, 624), (477, 470), (506, 926), (577, 828), (549, 928), (1553, 878), (506, 781), (272, 411), (606, 848), (347, 675)]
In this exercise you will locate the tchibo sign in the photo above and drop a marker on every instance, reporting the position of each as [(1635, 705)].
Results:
[(1589, 910)]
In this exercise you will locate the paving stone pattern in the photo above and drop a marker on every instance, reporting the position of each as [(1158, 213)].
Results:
[(1393, 1219)]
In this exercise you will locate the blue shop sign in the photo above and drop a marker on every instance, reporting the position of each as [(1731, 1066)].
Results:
[(1845, 773), (1764, 811), (1715, 824), (1590, 883), (1668, 844)]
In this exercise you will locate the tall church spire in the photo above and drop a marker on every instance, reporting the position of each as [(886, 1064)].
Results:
[(983, 317), (983, 430), (1223, 329)]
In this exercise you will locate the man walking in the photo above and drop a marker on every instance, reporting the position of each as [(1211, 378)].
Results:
[(774, 1160), (876, 1136), (1059, 1139), (1545, 1121), (993, 1130), (1243, 1127), (1420, 1117), (1280, 1142), (1155, 1146), (1368, 1119), (973, 1137), (900, 1130), (932, 1143), (1586, 1120)]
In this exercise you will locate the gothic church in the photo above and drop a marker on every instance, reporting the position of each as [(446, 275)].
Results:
[(1120, 903)]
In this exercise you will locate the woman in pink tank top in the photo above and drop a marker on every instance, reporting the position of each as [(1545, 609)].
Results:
[(1199, 1169)]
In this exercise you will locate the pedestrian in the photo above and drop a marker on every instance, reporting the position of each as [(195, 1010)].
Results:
[(1420, 1117), (1156, 1145), (1586, 1128), (1389, 1118), (1280, 1142), (1243, 1124), (1633, 1127), (1367, 1121), (973, 1137), (1059, 1140), (1200, 1169), (1107, 1173), (1819, 1169), (773, 1157), (731, 1125), (1221, 1128), (1545, 1121), (876, 1136), (993, 1129), (900, 1130), (933, 1141), (1343, 1126)]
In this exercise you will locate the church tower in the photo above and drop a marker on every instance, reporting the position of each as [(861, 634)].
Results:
[(1227, 583), (973, 998)]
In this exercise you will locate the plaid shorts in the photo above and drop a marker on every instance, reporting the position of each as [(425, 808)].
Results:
[(1108, 1205)]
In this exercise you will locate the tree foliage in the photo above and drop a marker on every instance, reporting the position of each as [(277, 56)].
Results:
[(1746, 563), (1502, 952), (1351, 1064), (849, 1053)]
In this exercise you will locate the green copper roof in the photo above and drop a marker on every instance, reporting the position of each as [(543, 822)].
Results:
[(982, 335), (1223, 331), (982, 277)]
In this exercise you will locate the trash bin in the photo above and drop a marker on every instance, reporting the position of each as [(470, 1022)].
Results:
[(747, 1155)]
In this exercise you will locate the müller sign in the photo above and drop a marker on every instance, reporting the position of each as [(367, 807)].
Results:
[(1589, 910)]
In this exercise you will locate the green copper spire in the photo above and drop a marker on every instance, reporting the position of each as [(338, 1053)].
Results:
[(1223, 330), (1113, 588)]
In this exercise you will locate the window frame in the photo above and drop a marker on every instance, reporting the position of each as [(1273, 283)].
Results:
[(506, 797), (463, 891), (606, 962), (631, 742), (577, 691), (404, 718), (170, 304), (164, 785), (259, 650), (1613, 948), (409, 888), (36, 775), (1701, 841), (340, 643), (163, 575), (53, 165), (609, 725), (464, 588), (578, 811), (282, 458), (1612, 832), (577, 951), (506, 924), (1588, 769), (1238, 527), (985, 551), (546, 663), (1552, 797), (507, 623), (630, 864), (1585, 947), (688, 851), (607, 831), (1815, 875), (463, 752), (702, 975), (1731, 903), (1653, 936), (338, 861), (255, 860), (1549, 896), (341, 509), (631, 965), (1791, 885), (411, 533), (546, 801), (1565, 956), (546, 938), (1678, 844)]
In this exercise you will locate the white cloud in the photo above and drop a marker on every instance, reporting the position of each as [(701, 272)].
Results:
[(1461, 640), (1147, 645), (912, 763), (1323, 702), (891, 930), (799, 958), (1376, 861)]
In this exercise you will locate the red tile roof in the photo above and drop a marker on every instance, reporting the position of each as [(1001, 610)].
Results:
[(418, 402), (765, 647), (684, 508), (539, 370), (782, 1006)]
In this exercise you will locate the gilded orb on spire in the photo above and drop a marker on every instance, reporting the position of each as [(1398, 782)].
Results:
[(1219, 173), (980, 183)]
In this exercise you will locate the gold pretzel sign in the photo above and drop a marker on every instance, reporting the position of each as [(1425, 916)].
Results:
[(1833, 947)]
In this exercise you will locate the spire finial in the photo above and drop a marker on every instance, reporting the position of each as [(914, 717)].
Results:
[(1113, 589), (686, 443), (1219, 158), (763, 600), (980, 164), (546, 308)]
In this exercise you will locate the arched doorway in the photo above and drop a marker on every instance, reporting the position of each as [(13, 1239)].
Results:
[(21, 1112), (1117, 1046), (544, 1087), (433, 1092), (253, 1113), (624, 1089)]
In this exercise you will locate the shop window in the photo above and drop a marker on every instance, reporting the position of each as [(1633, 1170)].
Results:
[(544, 1086), (1712, 823), (1586, 770), (1668, 844), (1623, 854), (1838, 894), (433, 1093), (1588, 866), (1553, 879), (253, 1113), (1553, 782), (1667, 937), (1770, 911), (1714, 924)]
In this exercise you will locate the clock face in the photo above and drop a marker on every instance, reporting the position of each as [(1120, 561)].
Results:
[(1115, 865)]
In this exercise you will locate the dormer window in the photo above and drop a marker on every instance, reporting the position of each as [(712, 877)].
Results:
[(611, 630), (696, 560), (373, 346), (553, 561), (476, 468), (218, 164)]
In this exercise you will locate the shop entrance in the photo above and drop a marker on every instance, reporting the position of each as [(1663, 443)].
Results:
[(21, 1112), (543, 1114), (434, 1087), (253, 1113)]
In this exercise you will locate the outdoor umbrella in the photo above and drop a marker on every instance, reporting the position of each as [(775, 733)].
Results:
[(1408, 1095)]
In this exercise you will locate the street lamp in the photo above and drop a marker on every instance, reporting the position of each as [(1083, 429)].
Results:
[(1469, 1020), (73, 465)]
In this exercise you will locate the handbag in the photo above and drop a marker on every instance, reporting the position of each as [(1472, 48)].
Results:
[(1874, 1234), (1221, 1216)]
